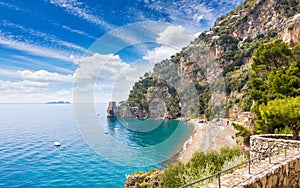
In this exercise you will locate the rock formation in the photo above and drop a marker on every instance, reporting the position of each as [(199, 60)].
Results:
[(112, 110), (210, 76)]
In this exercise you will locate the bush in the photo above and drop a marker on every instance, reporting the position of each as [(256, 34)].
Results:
[(201, 165), (243, 132), (172, 176)]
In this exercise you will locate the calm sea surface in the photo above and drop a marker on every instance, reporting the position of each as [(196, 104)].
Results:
[(28, 157)]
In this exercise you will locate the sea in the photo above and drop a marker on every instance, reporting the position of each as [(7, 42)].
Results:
[(29, 158)]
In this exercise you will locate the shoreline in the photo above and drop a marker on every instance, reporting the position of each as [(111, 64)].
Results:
[(206, 136)]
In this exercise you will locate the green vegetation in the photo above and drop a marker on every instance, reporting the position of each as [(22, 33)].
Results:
[(246, 102), (273, 75), (275, 80), (288, 7), (271, 87), (243, 132), (236, 80), (204, 98), (240, 56), (282, 130), (275, 72), (137, 96), (201, 165), (142, 179), (282, 112)]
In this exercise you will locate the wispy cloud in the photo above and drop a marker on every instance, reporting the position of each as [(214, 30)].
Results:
[(37, 35), (33, 42), (194, 15), (13, 7), (78, 32), (184, 12), (18, 62), (32, 49), (81, 10)]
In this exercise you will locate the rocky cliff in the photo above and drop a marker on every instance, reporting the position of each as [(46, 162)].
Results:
[(291, 33), (209, 77)]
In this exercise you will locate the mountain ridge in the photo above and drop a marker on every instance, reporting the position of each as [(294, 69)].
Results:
[(210, 77)]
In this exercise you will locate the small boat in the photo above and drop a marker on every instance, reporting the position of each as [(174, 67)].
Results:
[(57, 143), (106, 132), (117, 128)]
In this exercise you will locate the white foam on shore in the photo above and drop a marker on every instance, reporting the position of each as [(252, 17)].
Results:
[(189, 141)]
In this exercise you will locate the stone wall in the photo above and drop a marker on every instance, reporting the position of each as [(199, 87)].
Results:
[(281, 171), (262, 144), (284, 174)]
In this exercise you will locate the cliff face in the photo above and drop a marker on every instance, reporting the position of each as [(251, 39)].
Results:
[(210, 76), (291, 33), (256, 18)]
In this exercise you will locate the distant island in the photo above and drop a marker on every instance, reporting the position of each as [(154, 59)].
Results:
[(58, 102)]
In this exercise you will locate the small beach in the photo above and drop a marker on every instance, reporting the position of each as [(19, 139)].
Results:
[(207, 136)]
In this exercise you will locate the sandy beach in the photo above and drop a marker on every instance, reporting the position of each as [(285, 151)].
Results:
[(206, 136)]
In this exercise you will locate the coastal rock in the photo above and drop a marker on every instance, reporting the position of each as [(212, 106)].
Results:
[(112, 110), (149, 179)]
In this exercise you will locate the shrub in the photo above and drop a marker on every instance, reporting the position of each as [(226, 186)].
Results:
[(202, 164)]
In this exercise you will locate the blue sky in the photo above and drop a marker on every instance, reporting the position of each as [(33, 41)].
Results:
[(44, 44)]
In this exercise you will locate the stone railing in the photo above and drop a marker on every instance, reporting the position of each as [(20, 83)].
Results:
[(281, 172), (280, 168), (262, 144)]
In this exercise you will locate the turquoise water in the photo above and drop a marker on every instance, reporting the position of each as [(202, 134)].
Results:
[(28, 157)]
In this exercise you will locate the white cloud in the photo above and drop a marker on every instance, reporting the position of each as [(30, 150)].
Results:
[(45, 76), (80, 10), (103, 75), (105, 66), (159, 53), (10, 87), (25, 95), (108, 69), (173, 38), (8, 73), (117, 77), (35, 86)]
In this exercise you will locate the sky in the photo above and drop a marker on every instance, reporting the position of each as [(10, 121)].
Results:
[(51, 48)]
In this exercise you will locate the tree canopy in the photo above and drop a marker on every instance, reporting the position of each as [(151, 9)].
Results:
[(284, 112), (275, 69), (275, 76)]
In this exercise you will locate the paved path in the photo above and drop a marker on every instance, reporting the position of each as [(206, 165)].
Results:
[(260, 168)]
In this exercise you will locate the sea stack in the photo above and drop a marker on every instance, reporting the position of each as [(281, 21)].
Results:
[(112, 110)]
